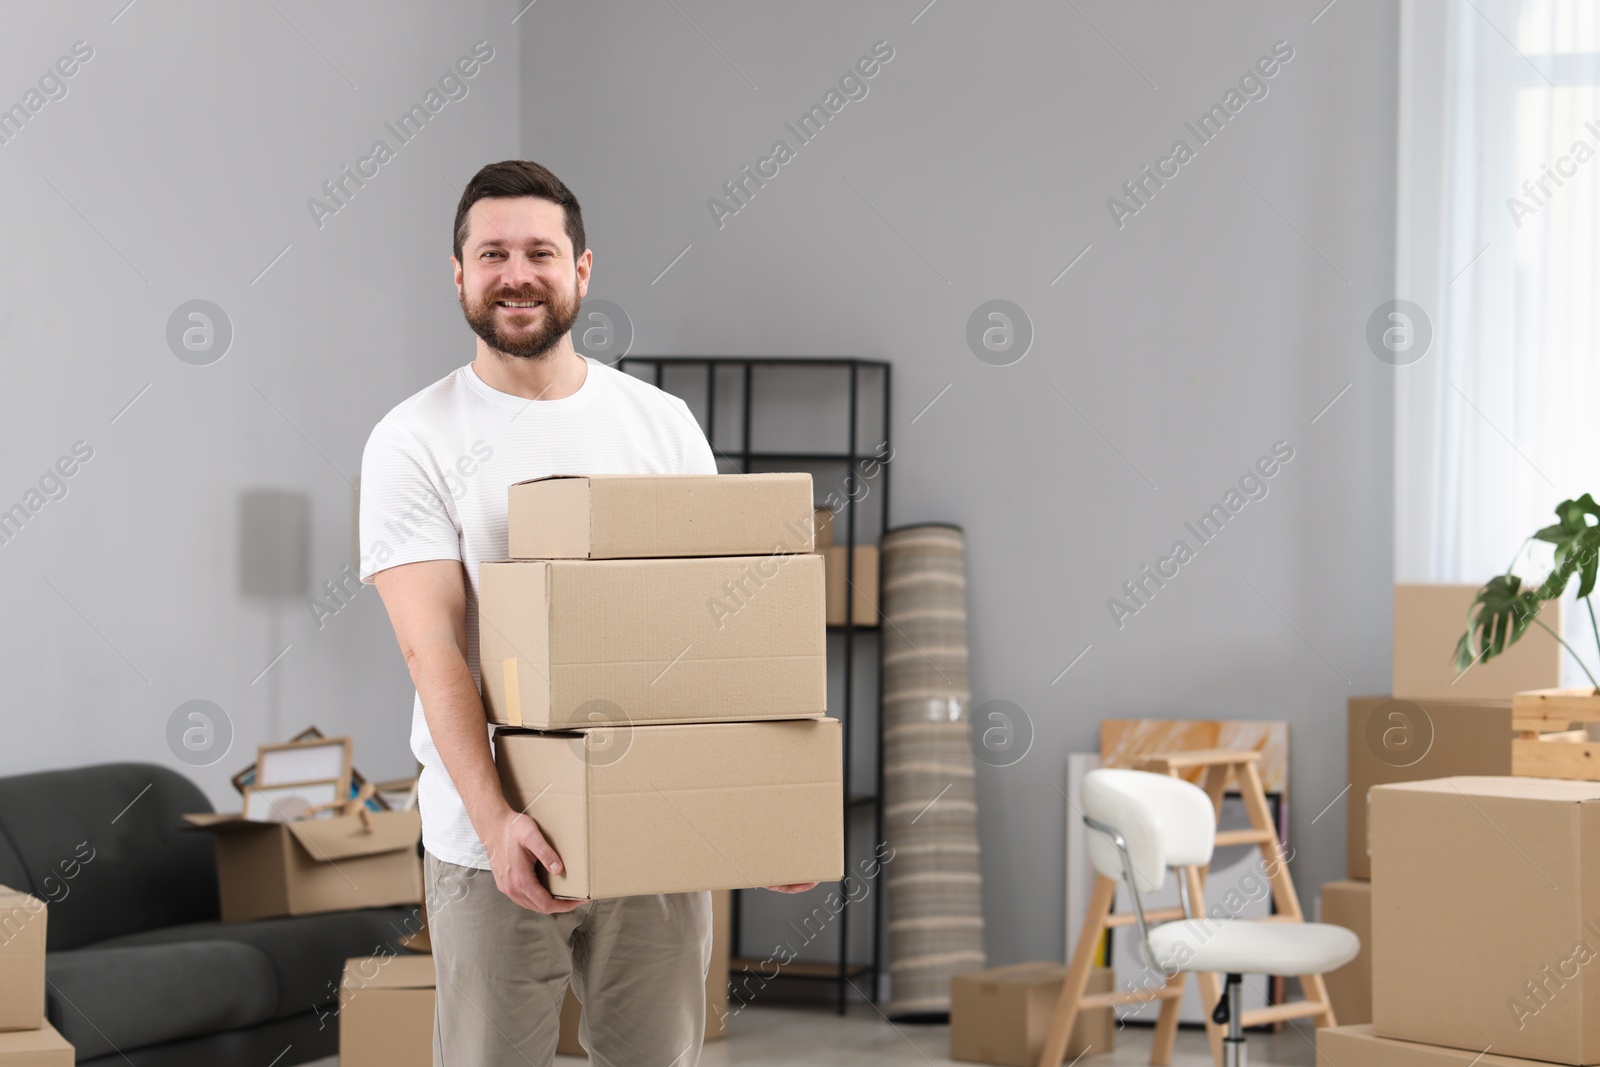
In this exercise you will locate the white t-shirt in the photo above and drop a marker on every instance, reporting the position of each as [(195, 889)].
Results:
[(434, 481)]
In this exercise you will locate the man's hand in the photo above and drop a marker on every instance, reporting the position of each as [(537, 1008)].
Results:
[(793, 887), (513, 847)]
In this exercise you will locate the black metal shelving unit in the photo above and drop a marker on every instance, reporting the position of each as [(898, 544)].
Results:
[(842, 971)]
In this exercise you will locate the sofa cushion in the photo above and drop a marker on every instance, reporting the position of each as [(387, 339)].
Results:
[(102, 845), (307, 951), (104, 1000)]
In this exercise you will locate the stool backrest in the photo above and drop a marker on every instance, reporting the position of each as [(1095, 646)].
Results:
[(1163, 821)]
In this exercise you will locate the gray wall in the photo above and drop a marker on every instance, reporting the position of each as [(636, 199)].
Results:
[(1204, 330), (1219, 319)]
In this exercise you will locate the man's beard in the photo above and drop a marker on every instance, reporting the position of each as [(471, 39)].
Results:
[(533, 341)]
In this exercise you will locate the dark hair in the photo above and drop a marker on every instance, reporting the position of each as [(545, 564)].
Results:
[(520, 177)]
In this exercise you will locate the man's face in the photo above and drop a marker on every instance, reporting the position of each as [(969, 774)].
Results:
[(516, 253)]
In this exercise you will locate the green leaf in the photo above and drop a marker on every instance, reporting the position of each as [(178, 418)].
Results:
[(1500, 614)]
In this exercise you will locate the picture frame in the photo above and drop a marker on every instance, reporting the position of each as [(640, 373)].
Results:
[(310, 760), (292, 801), (376, 802)]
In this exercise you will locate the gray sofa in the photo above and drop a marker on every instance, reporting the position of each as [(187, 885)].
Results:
[(139, 969)]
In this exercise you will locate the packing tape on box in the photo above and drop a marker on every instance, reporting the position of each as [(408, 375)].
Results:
[(513, 692)]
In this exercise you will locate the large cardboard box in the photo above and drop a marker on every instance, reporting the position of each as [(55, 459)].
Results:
[(716, 985), (635, 516), (860, 592), (270, 869), (1430, 619), (1355, 1046), (576, 643), (41, 1047), (683, 807), (386, 1012), (1486, 915), (22, 944), (1002, 1015), (1349, 904), (1392, 740)]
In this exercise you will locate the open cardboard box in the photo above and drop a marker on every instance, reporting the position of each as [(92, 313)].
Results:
[(269, 869)]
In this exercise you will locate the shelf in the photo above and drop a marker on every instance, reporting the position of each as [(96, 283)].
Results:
[(864, 376), (797, 968), (757, 361)]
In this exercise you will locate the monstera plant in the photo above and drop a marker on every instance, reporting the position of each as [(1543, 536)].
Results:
[(1504, 608)]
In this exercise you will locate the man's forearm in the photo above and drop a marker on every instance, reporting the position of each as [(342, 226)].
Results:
[(456, 722)]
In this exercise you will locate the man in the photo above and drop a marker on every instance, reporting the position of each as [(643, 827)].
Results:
[(434, 483)]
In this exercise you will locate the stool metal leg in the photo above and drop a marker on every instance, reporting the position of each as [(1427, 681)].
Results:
[(1231, 1012)]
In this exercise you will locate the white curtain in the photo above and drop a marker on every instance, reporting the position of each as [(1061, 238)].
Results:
[(1499, 242)]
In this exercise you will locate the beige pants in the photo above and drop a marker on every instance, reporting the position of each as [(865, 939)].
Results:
[(638, 964)]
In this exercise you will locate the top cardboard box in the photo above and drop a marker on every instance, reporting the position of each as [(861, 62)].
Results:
[(1430, 619), (649, 516), (22, 925), (1486, 915)]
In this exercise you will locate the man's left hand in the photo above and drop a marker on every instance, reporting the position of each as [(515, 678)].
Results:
[(793, 887)]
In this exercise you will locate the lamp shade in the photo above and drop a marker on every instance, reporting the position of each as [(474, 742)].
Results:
[(274, 542)]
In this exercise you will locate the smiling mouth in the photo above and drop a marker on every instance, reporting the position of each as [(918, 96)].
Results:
[(519, 305)]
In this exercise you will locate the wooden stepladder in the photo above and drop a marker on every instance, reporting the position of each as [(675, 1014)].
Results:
[(1220, 766)]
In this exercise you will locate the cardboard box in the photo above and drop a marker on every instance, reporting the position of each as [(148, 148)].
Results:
[(1486, 915), (865, 583), (573, 643), (716, 985), (1355, 1046), (1430, 619), (822, 524), (637, 516), (41, 1047), (270, 869), (386, 1008), (1393, 740), (1001, 1015), (678, 808), (22, 945), (1349, 904)]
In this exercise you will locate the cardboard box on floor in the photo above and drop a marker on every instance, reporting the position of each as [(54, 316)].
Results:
[(863, 597), (1430, 619), (386, 1006), (1485, 912), (41, 1047), (1349, 904), (1001, 1015), (565, 643), (22, 945), (683, 807), (1355, 1046), (269, 869), (1393, 740), (643, 516), (716, 985)]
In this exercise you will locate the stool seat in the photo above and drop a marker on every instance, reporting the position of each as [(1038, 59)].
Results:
[(1239, 946)]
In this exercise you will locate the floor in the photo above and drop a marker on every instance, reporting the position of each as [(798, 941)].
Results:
[(803, 1037)]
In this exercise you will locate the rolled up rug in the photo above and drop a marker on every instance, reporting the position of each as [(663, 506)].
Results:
[(930, 806)]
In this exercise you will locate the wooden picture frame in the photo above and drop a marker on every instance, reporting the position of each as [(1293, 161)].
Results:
[(311, 760), (247, 777), (293, 800)]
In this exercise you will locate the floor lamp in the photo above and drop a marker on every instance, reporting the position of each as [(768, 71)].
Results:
[(274, 565)]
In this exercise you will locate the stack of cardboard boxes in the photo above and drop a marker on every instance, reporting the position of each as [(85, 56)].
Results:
[(26, 1038), (653, 656), (1461, 877)]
